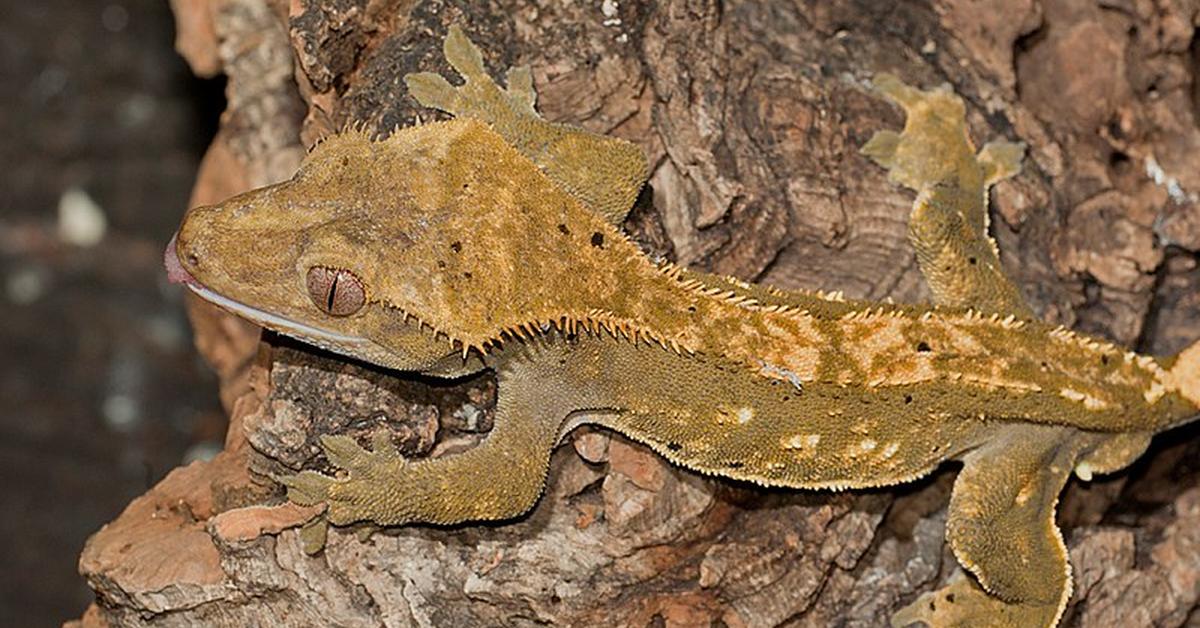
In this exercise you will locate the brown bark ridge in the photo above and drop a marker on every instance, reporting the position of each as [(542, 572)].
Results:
[(752, 114)]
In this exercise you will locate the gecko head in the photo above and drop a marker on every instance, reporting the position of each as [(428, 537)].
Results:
[(439, 238), (357, 253)]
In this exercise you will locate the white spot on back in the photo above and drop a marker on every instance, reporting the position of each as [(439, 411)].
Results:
[(1154, 392), (744, 415), (1088, 401), (801, 441)]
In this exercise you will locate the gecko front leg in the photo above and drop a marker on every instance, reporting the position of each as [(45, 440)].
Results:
[(606, 173), (501, 478)]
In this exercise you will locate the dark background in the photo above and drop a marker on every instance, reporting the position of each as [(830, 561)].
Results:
[(102, 391)]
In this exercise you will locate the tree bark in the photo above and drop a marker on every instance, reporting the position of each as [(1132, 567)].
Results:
[(752, 115)]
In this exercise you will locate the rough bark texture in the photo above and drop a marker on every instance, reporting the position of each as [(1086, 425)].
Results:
[(752, 114)]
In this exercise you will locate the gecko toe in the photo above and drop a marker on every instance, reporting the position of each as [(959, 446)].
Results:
[(433, 91), (383, 451), (463, 55), (343, 451), (519, 87), (1001, 160), (898, 91), (307, 488), (881, 148)]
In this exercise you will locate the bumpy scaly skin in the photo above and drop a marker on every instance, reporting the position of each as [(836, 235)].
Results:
[(487, 244)]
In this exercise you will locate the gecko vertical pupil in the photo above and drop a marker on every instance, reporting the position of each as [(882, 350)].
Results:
[(335, 291)]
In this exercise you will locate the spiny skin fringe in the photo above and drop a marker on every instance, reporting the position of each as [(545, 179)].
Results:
[(675, 272), (599, 321), (835, 487), (1009, 321), (525, 331), (351, 127), (595, 322)]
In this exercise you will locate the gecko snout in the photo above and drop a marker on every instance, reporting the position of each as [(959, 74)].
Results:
[(185, 244), (183, 257), (180, 262)]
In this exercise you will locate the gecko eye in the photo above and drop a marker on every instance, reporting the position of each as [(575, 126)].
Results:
[(335, 291)]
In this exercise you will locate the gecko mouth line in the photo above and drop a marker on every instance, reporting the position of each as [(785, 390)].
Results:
[(177, 274), (338, 343)]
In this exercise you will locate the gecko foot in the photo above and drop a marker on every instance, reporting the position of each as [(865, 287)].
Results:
[(933, 148), (357, 494), (479, 96)]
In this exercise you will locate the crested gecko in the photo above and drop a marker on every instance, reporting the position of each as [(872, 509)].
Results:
[(491, 241)]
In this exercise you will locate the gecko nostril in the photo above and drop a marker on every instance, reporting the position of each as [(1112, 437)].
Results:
[(180, 261)]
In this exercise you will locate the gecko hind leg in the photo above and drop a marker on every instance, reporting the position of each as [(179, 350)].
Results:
[(1001, 528), (605, 173), (948, 226), (501, 478)]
